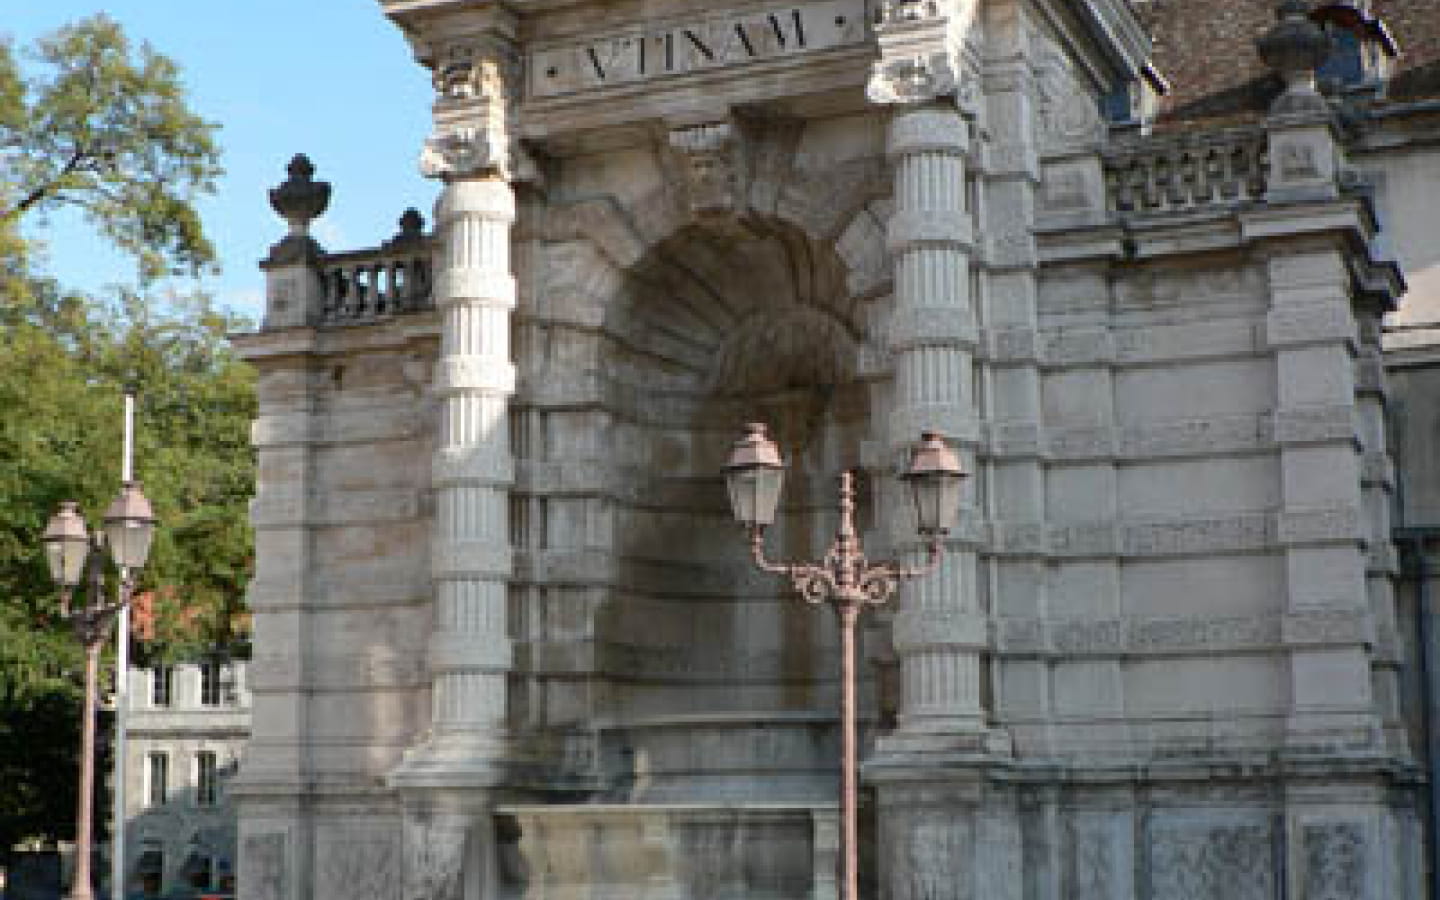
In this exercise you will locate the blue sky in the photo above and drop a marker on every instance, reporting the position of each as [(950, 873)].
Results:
[(330, 78)]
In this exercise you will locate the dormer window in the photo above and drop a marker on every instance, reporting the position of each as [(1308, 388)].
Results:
[(1361, 48), (1134, 102)]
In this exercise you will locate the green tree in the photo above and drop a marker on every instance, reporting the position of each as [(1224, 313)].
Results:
[(100, 125), (65, 362), (90, 121)]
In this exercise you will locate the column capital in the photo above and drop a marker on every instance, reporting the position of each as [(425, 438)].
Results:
[(921, 53), (475, 70)]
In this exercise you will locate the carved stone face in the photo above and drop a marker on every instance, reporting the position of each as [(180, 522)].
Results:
[(707, 154), (464, 75), (712, 181)]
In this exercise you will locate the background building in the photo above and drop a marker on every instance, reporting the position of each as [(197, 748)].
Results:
[(187, 728)]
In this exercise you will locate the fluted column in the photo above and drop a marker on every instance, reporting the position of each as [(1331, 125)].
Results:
[(470, 652), (474, 289), (939, 629)]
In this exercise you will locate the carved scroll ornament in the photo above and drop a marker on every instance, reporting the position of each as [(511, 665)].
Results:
[(912, 79)]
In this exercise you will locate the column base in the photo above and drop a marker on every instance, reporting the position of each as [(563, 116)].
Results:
[(457, 760), (907, 748)]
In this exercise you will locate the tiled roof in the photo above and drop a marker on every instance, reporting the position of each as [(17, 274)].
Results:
[(1206, 50)]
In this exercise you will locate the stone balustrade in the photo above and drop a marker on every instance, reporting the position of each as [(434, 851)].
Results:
[(361, 285), (1177, 172)]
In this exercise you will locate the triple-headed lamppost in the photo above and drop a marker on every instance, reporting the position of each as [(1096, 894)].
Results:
[(70, 551), (845, 578)]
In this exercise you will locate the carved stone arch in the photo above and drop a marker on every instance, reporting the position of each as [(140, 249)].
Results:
[(823, 201), (725, 319)]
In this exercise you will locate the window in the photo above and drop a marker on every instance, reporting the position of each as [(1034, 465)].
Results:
[(206, 778), (210, 683), (1361, 48), (157, 778), (151, 866), (1118, 104), (162, 680)]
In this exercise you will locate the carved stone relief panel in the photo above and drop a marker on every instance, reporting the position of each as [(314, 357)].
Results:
[(1202, 859), (263, 866), (434, 860), (357, 865), (1067, 116), (1099, 856), (1334, 861), (930, 855)]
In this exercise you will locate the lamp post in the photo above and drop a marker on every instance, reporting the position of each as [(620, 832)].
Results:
[(844, 578), (74, 555)]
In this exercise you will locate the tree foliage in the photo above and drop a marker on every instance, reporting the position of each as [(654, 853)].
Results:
[(100, 125), (92, 122), (65, 362)]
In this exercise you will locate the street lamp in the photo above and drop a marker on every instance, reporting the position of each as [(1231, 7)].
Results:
[(70, 551), (844, 578)]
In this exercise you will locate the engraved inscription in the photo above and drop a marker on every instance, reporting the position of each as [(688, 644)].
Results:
[(696, 46)]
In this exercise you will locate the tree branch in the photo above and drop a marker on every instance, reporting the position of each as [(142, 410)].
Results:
[(40, 193)]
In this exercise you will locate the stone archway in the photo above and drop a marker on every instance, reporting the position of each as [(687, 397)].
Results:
[(719, 684)]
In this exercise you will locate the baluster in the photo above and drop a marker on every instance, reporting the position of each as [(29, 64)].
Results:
[(327, 294), (424, 289), (1178, 178), (1256, 162), (1160, 180), (1188, 184), (1223, 166), (1213, 173), (1135, 179), (342, 294), (362, 290)]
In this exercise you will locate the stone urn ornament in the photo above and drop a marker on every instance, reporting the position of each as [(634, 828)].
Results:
[(1295, 47), (299, 200)]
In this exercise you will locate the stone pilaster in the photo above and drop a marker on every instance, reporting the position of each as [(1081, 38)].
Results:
[(1377, 492), (1312, 333), (939, 628), (1009, 171)]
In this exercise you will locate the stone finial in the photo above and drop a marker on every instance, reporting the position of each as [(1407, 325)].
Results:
[(412, 230), (300, 199), (412, 224), (1295, 47)]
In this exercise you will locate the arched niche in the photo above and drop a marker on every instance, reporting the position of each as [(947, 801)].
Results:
[(720, 683)]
